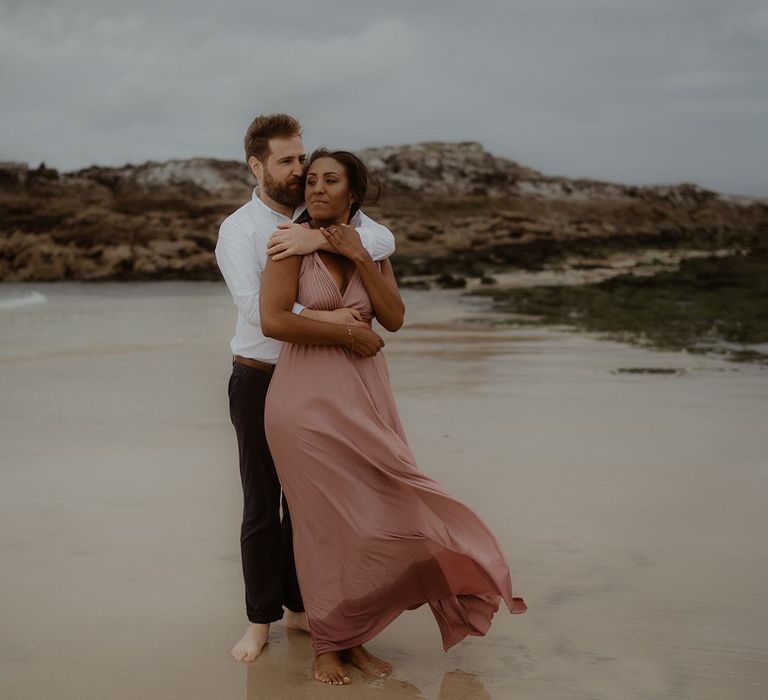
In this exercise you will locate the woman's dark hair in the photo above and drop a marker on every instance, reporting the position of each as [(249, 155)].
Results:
[(357, 175)]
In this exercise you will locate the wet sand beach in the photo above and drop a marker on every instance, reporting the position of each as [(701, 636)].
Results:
[(631, 506)]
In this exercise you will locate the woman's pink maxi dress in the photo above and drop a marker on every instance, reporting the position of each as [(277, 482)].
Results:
[(373, 536)]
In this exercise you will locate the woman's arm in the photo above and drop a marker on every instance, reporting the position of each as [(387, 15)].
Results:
[(279, 286), (381, 286), (385, 296)]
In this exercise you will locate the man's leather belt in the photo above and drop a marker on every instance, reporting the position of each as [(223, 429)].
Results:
[(254, 364)]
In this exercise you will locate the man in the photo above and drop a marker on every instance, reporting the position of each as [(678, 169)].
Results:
[(275, 155)]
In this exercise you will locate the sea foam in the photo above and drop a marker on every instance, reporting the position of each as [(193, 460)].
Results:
[(13, 302)]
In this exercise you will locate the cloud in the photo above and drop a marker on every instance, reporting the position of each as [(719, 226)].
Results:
[(609, 89)]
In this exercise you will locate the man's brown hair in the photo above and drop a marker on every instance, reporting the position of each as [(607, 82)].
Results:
[(265, 127)]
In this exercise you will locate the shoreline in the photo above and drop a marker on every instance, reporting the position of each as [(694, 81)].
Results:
[(719, 307)]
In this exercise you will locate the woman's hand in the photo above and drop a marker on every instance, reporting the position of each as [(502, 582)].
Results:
[(345, 241), (364, 341)]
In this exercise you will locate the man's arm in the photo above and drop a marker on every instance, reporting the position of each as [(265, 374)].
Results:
[(345, 315), (297, 239), (241, 270)]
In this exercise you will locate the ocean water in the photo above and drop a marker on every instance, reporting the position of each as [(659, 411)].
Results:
[(43, 318)]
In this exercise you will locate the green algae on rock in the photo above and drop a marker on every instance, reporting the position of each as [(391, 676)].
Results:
[(708, 305)]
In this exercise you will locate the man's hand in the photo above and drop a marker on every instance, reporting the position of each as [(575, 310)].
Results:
[(364, 341), (345, 316), (345, 241), (292, 239)]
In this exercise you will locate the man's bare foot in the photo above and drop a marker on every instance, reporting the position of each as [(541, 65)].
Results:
[(329, 669), (368, 663), (296, 621), (253, 641)]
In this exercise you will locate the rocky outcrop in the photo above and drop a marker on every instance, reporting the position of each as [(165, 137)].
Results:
[(457, 210), (195, 177), (435, 168)]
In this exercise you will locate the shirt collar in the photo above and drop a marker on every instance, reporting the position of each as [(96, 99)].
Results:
[(259, 202)]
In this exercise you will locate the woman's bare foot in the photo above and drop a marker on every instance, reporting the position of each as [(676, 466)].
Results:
[(253, 641), (296, 620), (329, 669), (368, 663)]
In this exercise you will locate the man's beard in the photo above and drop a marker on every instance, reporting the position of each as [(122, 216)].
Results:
[(283, 193)]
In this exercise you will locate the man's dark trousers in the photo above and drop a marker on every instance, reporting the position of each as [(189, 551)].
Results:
[(266, 543)]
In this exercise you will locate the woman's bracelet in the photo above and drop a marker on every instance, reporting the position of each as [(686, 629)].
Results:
[(351, 337)]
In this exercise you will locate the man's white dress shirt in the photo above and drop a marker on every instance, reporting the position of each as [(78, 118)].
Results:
[(241, 253)]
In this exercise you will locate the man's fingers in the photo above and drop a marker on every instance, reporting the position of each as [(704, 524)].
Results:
[(357, 314), (278, 252), (285, 225)]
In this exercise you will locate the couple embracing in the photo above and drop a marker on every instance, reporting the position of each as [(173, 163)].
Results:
[(339, 527)]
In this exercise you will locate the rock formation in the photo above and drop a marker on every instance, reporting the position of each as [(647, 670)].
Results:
[(456, 209)]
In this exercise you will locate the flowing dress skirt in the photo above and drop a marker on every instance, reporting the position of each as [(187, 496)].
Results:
[(373, 535)]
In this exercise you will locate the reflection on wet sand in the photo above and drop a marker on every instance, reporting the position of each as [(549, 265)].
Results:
[(458, 685), (284, 672)]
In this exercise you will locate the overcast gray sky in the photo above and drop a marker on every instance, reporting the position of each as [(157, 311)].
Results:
[(635, 91)]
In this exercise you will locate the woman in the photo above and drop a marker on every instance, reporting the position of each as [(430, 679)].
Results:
[(373, 536)]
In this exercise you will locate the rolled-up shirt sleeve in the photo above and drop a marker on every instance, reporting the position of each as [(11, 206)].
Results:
[(378, 240), (241, 269)]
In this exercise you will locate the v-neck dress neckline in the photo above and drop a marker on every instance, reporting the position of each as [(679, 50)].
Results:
[(330, 276)]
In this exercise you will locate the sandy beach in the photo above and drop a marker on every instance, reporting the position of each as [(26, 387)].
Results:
[(631, 506)]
